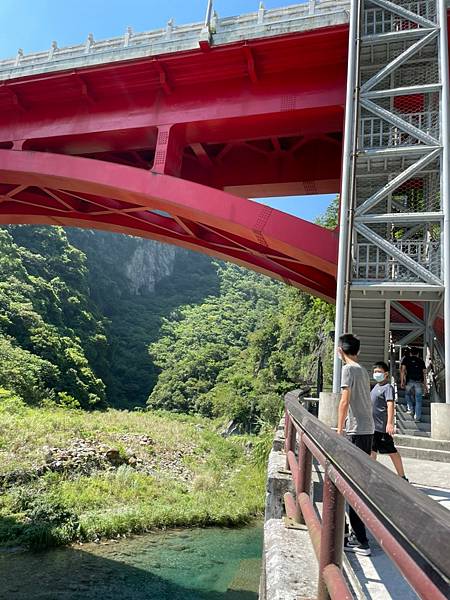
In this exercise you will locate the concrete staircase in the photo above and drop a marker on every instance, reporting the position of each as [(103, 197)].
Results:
[(413, 440), (407, 426), (405, 422), (411, 446), (368, 319)]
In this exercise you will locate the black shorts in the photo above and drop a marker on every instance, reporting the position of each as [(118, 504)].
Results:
[(383, 443), (362, 441)]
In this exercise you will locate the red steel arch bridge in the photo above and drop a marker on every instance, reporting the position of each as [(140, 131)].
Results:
[(166, 134)]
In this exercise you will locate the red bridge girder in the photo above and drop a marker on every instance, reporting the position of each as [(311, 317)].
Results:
[(272, 129), (45, 188), (118, 147)]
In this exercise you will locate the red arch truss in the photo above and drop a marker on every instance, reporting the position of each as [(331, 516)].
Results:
[(44, 188)]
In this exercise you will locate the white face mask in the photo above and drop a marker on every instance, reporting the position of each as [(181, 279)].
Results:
[(379, 377)]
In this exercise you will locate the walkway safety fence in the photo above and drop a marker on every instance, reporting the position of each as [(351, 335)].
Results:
[(412, 529)]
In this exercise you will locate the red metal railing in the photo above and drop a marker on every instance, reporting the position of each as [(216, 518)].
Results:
[(412, 529)]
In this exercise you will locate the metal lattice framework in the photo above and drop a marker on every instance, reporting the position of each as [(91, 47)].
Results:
[(397, 197), (394, 234)]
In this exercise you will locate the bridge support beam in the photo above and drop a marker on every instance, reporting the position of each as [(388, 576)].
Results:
[(445, 183), (169, 150), (45, 188), (342, 282)]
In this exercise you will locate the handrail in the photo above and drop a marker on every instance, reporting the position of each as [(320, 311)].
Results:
[(411, 528)]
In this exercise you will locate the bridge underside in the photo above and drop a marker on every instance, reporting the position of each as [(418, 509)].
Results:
[(54, 189), (259, 118), (170, 146)]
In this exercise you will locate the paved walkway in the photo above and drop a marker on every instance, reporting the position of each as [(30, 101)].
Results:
[(377, 576)]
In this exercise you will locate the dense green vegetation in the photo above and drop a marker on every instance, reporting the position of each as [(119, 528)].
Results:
[(50, 333), (72, 329), (79, 310), (236, 354), (187, 475), (98, 322)]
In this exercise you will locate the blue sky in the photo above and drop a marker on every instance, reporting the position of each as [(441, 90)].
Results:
[(305, 207), (34, 24)]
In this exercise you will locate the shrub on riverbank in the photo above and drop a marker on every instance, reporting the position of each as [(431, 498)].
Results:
[(173, 471)]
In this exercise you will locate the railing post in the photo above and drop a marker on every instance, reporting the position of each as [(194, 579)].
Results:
[(304, 471), (332, 538), (286, 423), (289, 444)]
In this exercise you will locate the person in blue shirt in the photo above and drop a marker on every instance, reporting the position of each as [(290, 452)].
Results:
[(382, 396)]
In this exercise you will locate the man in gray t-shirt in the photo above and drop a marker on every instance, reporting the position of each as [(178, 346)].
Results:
[(359, 420), (355, 409)]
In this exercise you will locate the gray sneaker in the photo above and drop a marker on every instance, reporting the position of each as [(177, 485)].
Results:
[(356, 547)]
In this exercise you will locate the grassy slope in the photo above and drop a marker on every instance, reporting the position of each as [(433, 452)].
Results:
[(221, 484)]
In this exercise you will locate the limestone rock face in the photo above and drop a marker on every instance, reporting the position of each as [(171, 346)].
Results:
[(123, 264), (150, 262)]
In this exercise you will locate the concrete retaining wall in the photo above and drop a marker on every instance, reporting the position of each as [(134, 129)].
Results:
[(289, 565)]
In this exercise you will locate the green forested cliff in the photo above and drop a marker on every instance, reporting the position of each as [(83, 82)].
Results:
[(134, 283), (78, 310), (93, 318), (236, 354), (51, 335)]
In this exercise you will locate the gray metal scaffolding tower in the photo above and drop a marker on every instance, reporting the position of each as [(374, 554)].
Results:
[(394, 246)]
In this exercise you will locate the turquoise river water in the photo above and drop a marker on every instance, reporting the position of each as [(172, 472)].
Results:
[(193, 564)]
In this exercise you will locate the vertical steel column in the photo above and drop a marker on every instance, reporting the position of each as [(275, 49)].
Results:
[(345, 200), (445, 182), (426, 333)]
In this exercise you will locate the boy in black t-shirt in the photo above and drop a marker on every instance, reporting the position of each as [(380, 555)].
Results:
[(382, 396), (413, 378)]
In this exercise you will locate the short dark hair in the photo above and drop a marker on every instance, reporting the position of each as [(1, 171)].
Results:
[(349, 343), (414, 351), (381, 365)]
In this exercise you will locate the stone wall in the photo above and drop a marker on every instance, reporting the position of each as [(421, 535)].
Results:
[(289, 565)]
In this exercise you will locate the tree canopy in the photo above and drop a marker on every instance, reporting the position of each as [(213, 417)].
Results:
[(91, 318), (236, 354)]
